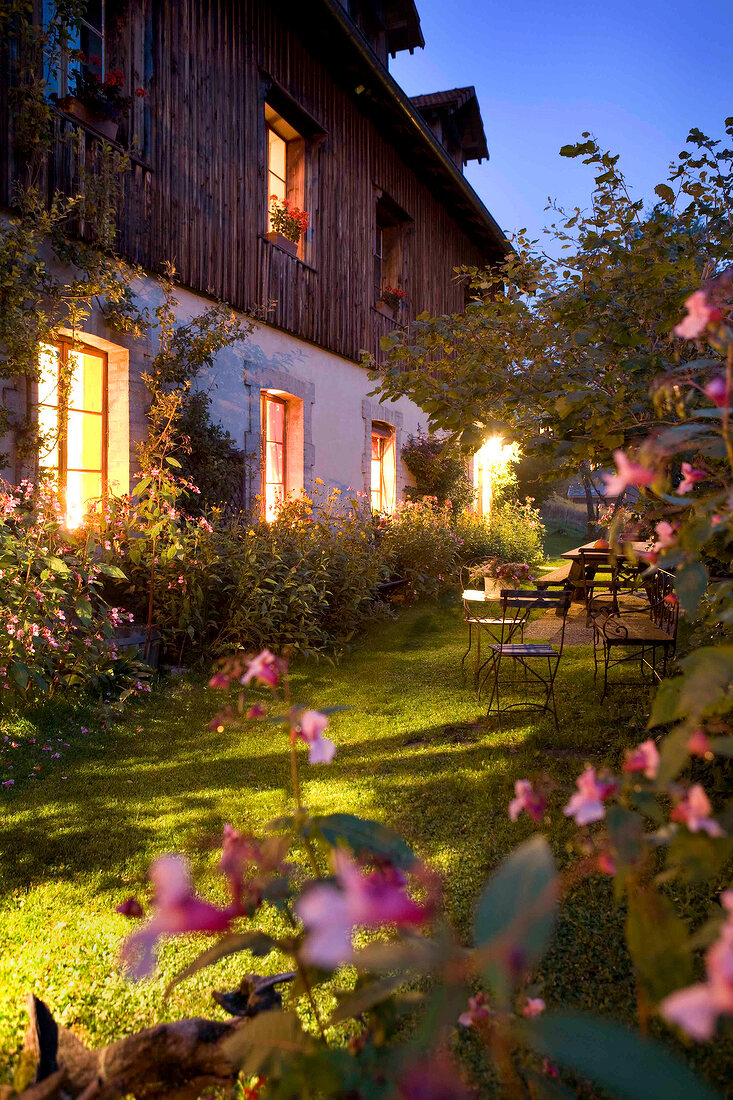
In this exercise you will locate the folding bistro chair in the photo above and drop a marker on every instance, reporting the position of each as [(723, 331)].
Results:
[(608, 583), (516, 607), (474, 601)]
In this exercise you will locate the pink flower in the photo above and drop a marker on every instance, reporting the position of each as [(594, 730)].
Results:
[(716, 391), (321, 750), (606, 864), (689, 476), (586, 805), (696, 1008), (255, 711), (698, 745), (699, 315), (644, 758), (130, 907), (526, 799), (265, 667), (330, 913), (694, 812), (219, 680), (535, 1006), (477, 1010), (177, 911), (628, 473)]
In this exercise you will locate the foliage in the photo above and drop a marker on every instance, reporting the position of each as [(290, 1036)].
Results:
[(419, 542), (209, 457), (574, 344), (440, 471), (104, 98), (58, 632), (516, 572), (513, 532)]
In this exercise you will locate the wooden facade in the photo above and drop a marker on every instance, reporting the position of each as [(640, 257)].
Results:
[(197, 191)]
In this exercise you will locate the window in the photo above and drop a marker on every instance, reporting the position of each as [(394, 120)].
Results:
[(72, 425), (384, 467), (286, 155), (274, 450), (85, 36), (389, 260)]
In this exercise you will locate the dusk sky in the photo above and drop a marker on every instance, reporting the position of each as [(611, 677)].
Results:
[(637, 73)]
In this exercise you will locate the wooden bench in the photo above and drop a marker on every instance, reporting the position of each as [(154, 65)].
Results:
[(555, 576)]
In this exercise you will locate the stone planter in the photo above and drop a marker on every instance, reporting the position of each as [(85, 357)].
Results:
[(106, 127), (291, 247), (493, 587)]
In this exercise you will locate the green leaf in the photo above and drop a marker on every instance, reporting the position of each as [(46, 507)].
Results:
[(626, 832), (703, 687), (697, 857), (56, 565), (665, 193), (365, 997), (83, 609), (363, 835), (516, 911), (673, 753), (173, 462), (616, 1059), (690, 584), (722, 746), (658, 942), (113, 571), (20, 674), (256, 942), (261, 1045)]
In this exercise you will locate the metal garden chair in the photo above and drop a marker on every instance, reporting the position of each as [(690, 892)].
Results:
[(474, 603), (531, 657)]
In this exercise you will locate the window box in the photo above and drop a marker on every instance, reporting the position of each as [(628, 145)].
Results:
[(291, 247), (107, 127)]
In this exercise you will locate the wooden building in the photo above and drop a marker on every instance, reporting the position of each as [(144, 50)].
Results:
[(242, 99)]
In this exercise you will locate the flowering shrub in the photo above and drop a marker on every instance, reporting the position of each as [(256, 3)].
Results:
[(420, 544), (515, 572), (58, 632), (439, 468), (287, 219), (513, 532)]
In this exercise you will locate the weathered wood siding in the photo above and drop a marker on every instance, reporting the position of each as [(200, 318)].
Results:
[(198, 192)]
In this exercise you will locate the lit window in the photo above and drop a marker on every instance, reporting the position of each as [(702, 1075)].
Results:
[(71, 425), (274, 416), (389, 253), (286, 153), (85, 35), (276, 166), (384, 468)]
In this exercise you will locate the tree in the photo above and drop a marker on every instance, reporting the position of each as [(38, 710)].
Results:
[(560, 354)]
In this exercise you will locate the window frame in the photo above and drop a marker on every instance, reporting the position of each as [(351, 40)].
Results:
[(389, 256), (265, 398), (385, 434), (64, 345), (68, 66)]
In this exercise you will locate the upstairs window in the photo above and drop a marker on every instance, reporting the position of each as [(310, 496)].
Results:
[(384, 468), (389, 247), (286, 164), (274, 451), (84, 39), (72, 425)]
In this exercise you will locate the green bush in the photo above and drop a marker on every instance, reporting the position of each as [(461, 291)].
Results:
[(419, 542), (439, 468), (513, 532)]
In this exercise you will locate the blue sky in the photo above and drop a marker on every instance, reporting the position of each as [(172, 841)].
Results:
[(638, 75)]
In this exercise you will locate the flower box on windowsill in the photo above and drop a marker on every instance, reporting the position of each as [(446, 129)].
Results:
[(282, 242), (106, 127), (381, 307)]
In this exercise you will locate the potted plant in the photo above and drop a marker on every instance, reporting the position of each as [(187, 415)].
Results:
[(99, 103), (498, 574), (391, 300), (287, 224)]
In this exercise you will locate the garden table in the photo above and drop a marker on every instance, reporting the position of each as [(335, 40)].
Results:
[(601, 555)]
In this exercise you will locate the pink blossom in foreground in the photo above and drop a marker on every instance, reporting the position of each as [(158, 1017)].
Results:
[(177, 911), (130, 907), (586, 805), (694, 812), (689, 476), (321, 750), (699, 315), (644, 758), (265, 667), (716, 391), (535, 1006), (219, 680), (696, 1009), (627, 473), (331, 912), (527, 799), (606, 864), (255, 711), (699, 745), (478, 1009)]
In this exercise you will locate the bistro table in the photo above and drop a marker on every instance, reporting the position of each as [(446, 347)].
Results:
[(598, 555)]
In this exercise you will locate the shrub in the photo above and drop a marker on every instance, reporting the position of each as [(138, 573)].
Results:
[(513, 533), (420, 544), (209, 457), (439, 468)]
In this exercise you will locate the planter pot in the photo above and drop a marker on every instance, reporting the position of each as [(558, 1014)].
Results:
[(291, 247), (493, 587), (382, 307), (107, 127)]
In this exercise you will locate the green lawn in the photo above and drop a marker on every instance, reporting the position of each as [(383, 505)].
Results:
[(413, 751)]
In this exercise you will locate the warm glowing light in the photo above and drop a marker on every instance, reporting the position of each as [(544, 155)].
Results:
[(491, 457)]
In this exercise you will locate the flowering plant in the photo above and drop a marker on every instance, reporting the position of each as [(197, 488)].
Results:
[(516, 572), (287, 219), (393, 297), (103, 98)]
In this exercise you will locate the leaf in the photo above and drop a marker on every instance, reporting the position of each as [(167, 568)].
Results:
[(665, 193), (173, 462), (113, 571), (517, 907), (614, 1058), (363, 835), (262, 1044), (690, 584), (703, 687), (673, 755), (256, 942), (365, 997), (697, 857), (20, 674), (722, 746), (626, 832), (56, 565), (658, 942)]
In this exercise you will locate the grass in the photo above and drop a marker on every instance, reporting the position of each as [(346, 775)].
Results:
[(413, 751)]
